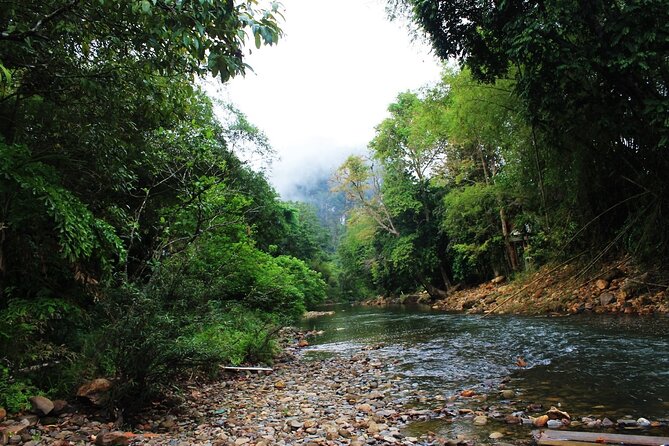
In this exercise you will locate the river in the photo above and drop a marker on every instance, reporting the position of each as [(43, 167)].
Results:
[(601, 366)]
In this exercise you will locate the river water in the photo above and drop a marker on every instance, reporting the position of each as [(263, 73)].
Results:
[(601, 366)]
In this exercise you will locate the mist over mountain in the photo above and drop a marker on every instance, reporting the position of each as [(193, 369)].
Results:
[(312, 185)]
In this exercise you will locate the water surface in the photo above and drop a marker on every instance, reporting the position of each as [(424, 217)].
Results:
[(601, 366)]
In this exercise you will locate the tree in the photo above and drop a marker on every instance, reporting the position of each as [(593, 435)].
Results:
[(395, 190), (592, 78)]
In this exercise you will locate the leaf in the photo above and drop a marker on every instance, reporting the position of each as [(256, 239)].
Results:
[(7, 75)]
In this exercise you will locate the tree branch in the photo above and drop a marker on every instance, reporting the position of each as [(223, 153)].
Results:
[(35, 29)]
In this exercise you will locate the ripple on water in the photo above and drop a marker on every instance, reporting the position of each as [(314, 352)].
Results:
[(615, 362)]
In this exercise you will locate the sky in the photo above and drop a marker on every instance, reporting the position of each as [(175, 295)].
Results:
[(320, 92)]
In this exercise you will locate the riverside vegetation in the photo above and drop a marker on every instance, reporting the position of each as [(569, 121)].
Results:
[(137, 245)]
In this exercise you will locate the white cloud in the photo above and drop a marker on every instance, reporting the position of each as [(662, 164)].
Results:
[(319, 93)]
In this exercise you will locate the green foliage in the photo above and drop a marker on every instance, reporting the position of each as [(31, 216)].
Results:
[(14, 393), (309, 282), (31, 330), (188, 37), (78, 233), (355, 257), (590, 84), (234, 335), (134, 241), (471, 220)]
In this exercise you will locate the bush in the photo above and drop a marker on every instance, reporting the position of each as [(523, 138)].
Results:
[(236, 335), (14, 394)]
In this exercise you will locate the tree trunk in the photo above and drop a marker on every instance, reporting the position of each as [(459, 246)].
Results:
[(434, 292), (511, 253)]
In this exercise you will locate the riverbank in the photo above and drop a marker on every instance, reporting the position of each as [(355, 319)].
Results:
[(342, 400), (618, 287), (359, 398)]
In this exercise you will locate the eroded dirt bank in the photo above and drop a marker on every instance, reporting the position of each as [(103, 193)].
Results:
[(615, 287)]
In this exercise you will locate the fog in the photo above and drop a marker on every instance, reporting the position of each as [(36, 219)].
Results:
[(321, 91)]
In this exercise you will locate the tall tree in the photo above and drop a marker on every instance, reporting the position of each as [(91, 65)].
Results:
[(593, 78)]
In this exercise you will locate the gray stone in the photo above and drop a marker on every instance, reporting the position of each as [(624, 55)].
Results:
[(41, 405), (607, 299), (554, 424)]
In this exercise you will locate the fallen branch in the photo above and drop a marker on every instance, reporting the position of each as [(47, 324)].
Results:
[(248, 369)]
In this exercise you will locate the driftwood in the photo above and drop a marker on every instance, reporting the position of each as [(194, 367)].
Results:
[(246, 369), (570, 438)]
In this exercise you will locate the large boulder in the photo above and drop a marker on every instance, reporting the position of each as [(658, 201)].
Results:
[(96, 391)]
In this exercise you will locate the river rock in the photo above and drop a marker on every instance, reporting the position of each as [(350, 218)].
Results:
[(557, 414), (607, 423), (60, 407), (507, 394), (627, 423), (96, 391), (540, 421), (480, 420), (366, 408), (30, 419), (607, 298), (12, 430), (510, 419), (643, 422), (554, 424), (41, 405), (602, 284), (116, 438), (495, 435), (3, 413)]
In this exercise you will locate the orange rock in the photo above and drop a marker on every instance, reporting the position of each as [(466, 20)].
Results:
[(280, 385), (3, 413), (303, 343), (540, 421), (602, 284), (113, 439), (467, 393)]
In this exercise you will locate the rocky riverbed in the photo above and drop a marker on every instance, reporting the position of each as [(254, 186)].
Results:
[(311, 402), (357, 399)]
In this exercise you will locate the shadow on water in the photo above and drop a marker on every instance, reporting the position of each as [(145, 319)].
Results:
[(603, 366)]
